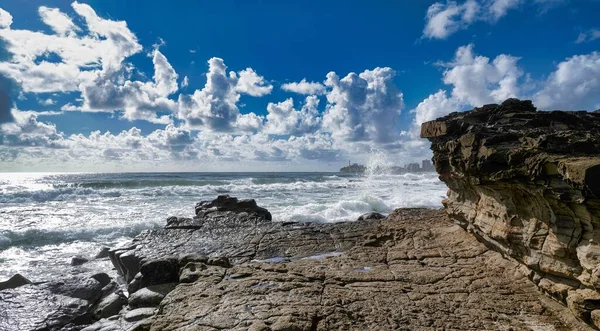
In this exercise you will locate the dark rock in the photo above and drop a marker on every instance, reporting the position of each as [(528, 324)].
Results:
[(227, 203), (135, 284), (150, 296), (528, 184), (159, 271), (370, 216), (14, 282), (79, 260), (80, 287), (109, 306), (102, 278), (103, 253), (31, 307)]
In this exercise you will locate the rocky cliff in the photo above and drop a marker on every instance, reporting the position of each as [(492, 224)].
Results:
[(527, 183)]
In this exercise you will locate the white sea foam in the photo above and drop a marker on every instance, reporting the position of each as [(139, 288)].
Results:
[(47, 218)]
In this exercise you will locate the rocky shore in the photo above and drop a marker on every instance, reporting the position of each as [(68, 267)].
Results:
[(515, 248)]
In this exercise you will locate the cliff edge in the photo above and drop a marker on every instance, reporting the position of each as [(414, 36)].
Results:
[(527, 183)]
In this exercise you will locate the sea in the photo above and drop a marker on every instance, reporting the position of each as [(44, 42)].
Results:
[(48, 218)]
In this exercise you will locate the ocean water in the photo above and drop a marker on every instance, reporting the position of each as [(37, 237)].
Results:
[(47, 218)]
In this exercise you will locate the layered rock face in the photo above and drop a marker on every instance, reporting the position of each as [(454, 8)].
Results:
[(527, 183)]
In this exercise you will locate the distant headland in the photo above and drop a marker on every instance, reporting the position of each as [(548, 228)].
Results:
[(425, 166)]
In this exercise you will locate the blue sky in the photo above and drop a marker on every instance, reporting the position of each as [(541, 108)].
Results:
[(122, 85)]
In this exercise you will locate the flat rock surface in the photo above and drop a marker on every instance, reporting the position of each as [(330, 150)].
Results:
[(414, 270)]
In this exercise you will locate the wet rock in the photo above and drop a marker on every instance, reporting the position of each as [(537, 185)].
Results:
[(103, 253), (110, 306), (14, 282), (102, 278), (31, 307), (150, 296), (79, 260), (226, 203), (80, 287), (370, 216), (159, 271)]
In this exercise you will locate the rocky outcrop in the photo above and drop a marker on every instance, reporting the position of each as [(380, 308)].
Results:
[(527, 183), (233, 269)]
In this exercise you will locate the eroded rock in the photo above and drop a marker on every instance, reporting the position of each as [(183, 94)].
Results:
[(527, 183)]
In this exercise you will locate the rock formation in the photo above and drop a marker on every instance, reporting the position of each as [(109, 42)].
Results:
[(230, 268), (527, 183)]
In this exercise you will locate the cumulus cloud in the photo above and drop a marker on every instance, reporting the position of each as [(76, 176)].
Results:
[(476, 80), (304, 87), (283, 119), (27, 131), (434, 106), (5, 19), (215, 105), (574, 85), (587, 36), (186, 82), (363, 106), (139, 100), (249, 82)]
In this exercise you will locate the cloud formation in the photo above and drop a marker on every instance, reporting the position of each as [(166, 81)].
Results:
[(588, 36), (446, 18), (304, 87), (363, 106)]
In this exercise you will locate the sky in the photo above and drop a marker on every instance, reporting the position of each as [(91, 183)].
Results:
[(273, 85)]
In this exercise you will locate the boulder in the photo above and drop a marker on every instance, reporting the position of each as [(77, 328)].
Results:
[(103, 253), (80, 287), (14, 282), (159, 271), (150, 296), (78, 260), (110, 306), (224, 203)]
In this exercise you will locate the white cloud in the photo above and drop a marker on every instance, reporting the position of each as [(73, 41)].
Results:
[(78, 59), (587, 36), (478, 81), (434, 106), (304, 87), (47, 102), (283, 119), (444, 19), (186, 82), (58, 21), (574, 85), (249, 82), (5, 19), (139, 100), (363, 107), (27, 131), (215, 106)]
